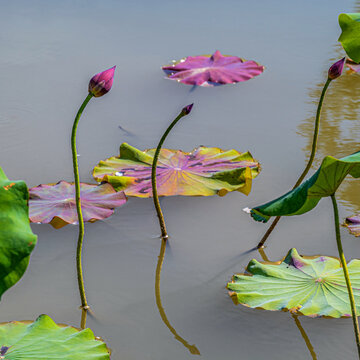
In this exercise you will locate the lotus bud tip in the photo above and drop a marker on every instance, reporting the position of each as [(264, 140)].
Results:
[(336, 69), (101, 83), (187, 109)]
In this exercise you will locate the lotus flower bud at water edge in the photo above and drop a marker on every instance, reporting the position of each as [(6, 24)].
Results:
[(101, 83), (336, 69)]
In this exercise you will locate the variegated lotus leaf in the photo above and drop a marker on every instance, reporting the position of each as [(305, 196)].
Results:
[(55, 203), (16, 238), (211, 70), (350, 36), (353, 224), (43, 339), (306, 196), (204, 171), (308, 285)]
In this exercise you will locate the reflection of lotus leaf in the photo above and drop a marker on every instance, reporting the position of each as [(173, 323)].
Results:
[(312, 286), (306, 196), (43, 339), (55, 203), (350, 36), (204, 171), (16, 238), (353, 224), (216, 69)]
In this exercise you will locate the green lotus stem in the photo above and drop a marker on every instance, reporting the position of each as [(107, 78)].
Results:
[(346, 273), (310, 162), (84, 304), (164, 236)]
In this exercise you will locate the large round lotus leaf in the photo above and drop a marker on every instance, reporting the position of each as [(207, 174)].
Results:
[(305, 197), (43, 339), (353, 224), (204, 171), (211, 70), (350, 36), (55, 203), (16, 238), (308, 285)]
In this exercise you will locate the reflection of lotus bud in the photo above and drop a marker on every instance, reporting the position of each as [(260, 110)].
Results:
[(186, 110), (336, 69), (101, 83)]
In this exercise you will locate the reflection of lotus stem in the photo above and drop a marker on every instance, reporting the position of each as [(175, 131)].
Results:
[(305, 337), (84, 305), (295, 317), (164, 235), (192, 348), (311, 159), (346, 273)]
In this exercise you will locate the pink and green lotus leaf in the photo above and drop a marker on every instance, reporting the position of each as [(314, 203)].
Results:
[(212, 70), (202, 172), (353, 224), (55, 203)]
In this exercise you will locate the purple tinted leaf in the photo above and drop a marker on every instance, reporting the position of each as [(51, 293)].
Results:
[(216, 69), (55, 204), (203, 172), (353, 224)]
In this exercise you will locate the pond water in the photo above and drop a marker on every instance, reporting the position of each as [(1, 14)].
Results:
[(49, 52)]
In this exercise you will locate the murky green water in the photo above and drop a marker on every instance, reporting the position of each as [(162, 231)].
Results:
[(51, 49)]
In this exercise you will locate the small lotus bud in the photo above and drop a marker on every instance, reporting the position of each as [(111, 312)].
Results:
[(101, 83), (336, 69), (187, 109)]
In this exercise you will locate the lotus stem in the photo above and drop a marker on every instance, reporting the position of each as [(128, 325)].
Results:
[(310, 162), (84, 305), (346, 272), (164, 236)]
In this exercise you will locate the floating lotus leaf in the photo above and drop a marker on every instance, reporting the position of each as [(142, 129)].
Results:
[(16, 238), (307, 285), (306, 196), (210, 70), (204, 171), (43, 339), (55, 203), (353, 224), (350, 36), (353, 66)]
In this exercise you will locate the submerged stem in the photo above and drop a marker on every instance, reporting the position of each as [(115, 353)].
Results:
[(346, 273), (192, 348), (84, 305), (310, 161)]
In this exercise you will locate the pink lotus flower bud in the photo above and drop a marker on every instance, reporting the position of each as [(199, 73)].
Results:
[(336, 69), (187, 109), (101, 83)]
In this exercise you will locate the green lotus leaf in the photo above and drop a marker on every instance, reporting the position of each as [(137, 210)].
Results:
[(202, 172), (306, 196), (44, 339), (16, 238), (307, 285), (350, 36)]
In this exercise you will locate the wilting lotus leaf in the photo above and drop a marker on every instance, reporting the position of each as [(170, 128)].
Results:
[(307, 285), (55, 203), (353, 224), (350, 36), (43, 339), (204, 171), (306, 196), (210, 70), (16, 238)]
